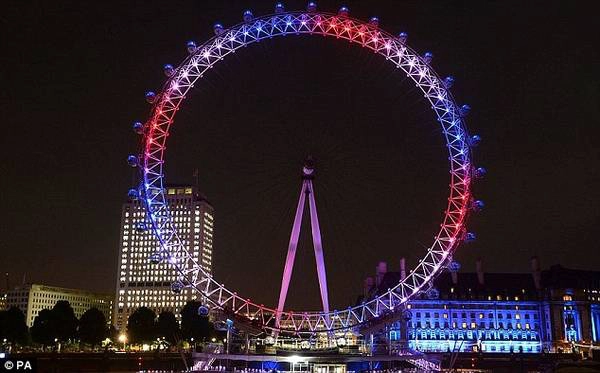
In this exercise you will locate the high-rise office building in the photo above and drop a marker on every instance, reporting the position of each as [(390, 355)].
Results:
[(143, 284), (32, 298)]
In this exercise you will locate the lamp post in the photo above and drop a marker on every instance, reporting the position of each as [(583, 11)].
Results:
[(228, 341)]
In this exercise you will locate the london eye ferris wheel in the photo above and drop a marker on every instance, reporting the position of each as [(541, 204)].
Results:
[(338, 27)]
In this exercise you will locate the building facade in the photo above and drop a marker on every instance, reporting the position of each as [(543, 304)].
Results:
[(143, 284), (32, 298), (543, 311)]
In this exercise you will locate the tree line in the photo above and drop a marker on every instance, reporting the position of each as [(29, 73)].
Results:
[(60, 325), (143, 326), (52, 326)]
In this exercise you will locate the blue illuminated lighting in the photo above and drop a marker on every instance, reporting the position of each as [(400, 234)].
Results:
[(132, 160), (133, 194), (191, 46), (150, 97), (138, 127), (595, 311), (486, 326)]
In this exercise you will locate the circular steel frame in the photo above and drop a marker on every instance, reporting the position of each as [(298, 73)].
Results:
[(367, 35)]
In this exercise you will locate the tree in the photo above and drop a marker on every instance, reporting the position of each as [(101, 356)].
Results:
[(13, 326), (43, 330), (192, 324), (141, 326), (92, 327), (168, 327), (66, 322)]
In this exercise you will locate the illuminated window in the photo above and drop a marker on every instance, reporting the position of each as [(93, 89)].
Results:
[(567, 297)]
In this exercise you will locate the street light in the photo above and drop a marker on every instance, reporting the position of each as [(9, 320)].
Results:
[(123, 339), (227, 340)]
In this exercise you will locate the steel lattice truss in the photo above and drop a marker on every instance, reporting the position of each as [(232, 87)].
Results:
[(202, 58)]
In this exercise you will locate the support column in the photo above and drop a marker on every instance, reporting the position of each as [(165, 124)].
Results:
[(318, 247), (307, 190), (291, 254)]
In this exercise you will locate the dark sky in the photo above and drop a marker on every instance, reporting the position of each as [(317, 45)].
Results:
[(73, 76)]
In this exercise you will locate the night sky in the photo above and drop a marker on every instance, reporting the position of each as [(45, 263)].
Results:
[(73, 77)]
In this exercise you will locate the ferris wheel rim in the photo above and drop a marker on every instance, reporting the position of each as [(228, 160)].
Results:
[(153, 155)]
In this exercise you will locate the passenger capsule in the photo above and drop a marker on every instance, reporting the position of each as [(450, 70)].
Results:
[(150, 97), (133, 194), (448, 82), (279, 8), (218, 28), (138, 127), (402, 37), (191, 46), (474, 140), (477, 205), (428, 57), (343, 12), (454, 266), (311, 7), (203, 311), (480, 172), (465, 110), (374, 21), (248, 16), (177, 287), (168, 70), (470, 237), (433, 293), (132, 160), (155, 258)]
